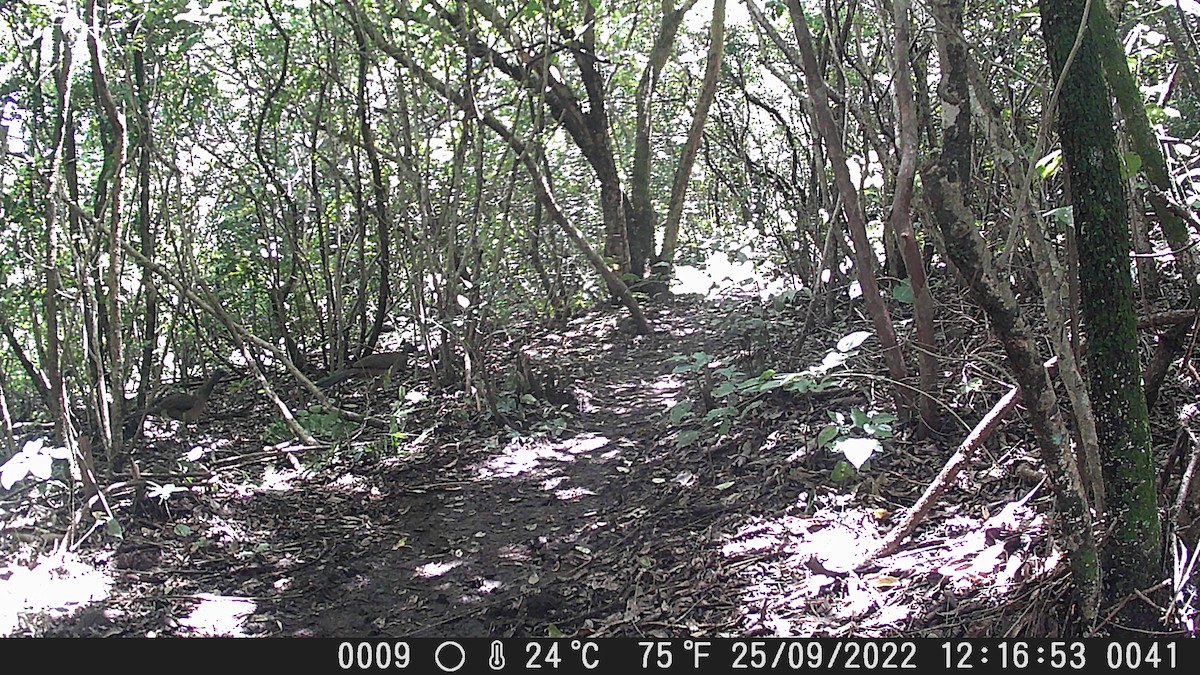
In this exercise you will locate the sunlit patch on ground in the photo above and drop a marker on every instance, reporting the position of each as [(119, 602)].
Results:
[(800, 579), (53, 588), (433, 570), (535, 456), (218, 616), (281, 480), (571, 494)]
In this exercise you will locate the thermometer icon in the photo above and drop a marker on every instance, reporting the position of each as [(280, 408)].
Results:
[(496, 660)]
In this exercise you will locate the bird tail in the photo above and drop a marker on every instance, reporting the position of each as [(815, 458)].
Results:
[(335, 378)]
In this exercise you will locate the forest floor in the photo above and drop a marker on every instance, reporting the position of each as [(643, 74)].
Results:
[(588, 517)]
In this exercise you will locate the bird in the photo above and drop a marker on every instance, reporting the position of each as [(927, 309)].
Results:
[(371, 365), (186, 407)]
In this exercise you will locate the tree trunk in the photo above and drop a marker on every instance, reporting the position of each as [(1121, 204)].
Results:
[(145, 226), (383, 212), (947, 183), (901, 220), (53, 231), (864, 258), (708, 90), (641, 215), (1132, 552)]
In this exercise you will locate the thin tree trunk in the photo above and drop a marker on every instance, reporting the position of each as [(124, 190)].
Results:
[(708, 91), (383, 219), (864, 258), (145, 224), (642, 214), (901, 219), (53, 282), (116, 257)]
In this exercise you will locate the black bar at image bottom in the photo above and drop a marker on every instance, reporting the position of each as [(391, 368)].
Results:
[(623, 655)]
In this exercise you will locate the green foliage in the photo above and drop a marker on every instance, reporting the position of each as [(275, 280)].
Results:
[(316, 420), (403, 409), (1050, 164), (876, 425), (1063, 215), (857, 438), (737, 396), (691, 363), (1131, 162)]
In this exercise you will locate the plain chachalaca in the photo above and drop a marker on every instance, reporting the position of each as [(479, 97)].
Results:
[(186, 407), (371, 365)]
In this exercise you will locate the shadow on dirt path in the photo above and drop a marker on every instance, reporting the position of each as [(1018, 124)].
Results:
[(511, 536)]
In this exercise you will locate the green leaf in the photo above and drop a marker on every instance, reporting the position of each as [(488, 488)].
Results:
[(780, 301), (770, 384), (1130, 163), (878, 429), (858, 417), (726, 485), (680, 410), (1063, 215), (724, 389), (182, 529), (904, 292), (798, 383), (721, 413), (827, 434), (1050, 164), (842, 471), (686, 438)]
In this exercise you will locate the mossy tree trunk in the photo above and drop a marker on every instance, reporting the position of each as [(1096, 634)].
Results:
[(1131, 555), (947, 188)]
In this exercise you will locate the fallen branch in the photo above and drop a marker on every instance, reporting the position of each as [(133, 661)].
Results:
[(962, 456), (1169, 318)]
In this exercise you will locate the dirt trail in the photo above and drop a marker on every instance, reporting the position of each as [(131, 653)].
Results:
[(510, 535), (587, 522)]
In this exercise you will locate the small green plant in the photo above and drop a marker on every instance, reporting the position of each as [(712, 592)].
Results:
[(321, 422), (402, 410), (732, 395), (856, 437)]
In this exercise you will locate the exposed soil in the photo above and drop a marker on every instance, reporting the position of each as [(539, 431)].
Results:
[(588, 520)]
